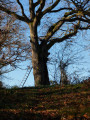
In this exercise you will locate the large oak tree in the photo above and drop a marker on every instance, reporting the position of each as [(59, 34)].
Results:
[(73, 14)]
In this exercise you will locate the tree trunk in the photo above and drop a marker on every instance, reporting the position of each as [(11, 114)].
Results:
[(40, 71), (39, 60), (63, 80)]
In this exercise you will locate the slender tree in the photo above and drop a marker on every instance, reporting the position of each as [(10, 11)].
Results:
[(72, 14)]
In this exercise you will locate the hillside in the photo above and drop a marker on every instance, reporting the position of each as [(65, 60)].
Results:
[(70, 102)]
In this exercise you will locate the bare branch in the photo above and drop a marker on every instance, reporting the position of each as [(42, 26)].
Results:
[(55, 27), (60, 9), (87, 12), (42, 4), (31, 9), (69, 17), (39, 14), (84, 28), (67, 36), (14, 14), (22, 9), (37, 3), (76, 5), (51, 7), (74, 19), (85, 3)]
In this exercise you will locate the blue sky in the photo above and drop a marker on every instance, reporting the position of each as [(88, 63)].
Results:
[(82, 38)]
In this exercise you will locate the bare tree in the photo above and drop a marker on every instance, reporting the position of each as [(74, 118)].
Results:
[(13, 46), (70, 54), (73, 14), (68, 57)]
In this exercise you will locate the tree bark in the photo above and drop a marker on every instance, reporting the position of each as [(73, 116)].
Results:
[(39, 59), (40, 71)]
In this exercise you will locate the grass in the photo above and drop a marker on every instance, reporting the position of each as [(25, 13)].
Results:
[(46, 103)]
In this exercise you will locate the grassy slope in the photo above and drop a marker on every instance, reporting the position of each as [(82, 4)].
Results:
[(46, 103)]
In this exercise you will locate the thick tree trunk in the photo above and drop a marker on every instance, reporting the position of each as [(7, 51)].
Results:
[(40, 71), (39, 61)]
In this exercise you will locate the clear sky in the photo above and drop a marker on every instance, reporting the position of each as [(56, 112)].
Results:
[(16, 77)]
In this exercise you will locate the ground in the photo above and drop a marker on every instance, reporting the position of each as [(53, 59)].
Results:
[(71, 102)]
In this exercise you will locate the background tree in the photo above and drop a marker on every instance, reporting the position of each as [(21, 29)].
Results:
[(69, 62), (73, 14), (68, 57), (13, 45)]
